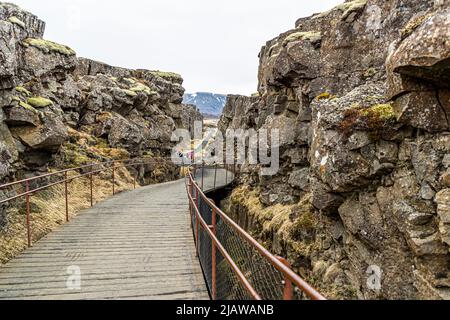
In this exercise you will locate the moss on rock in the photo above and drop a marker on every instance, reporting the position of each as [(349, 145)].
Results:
[(21, 89), (139, 87), (374, 119), (380, 111), (325, 96), (312, 36), (49, 46), (16, 98), (413, 24), (171, 76), (39, 102), (27, 106), (129, 93), (130, 80), (17, 21), (346, 8)]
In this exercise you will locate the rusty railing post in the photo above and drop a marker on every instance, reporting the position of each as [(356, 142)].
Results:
[(190, 202), (66, 194), (114, 178), (27, 199), (213, 257), (197, 223), (91, 183), (288, 287)]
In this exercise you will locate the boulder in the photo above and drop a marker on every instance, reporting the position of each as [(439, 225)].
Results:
[(425, 53), (22, 114), (422, 110), (125, 134), (300, 179), (49, 135)]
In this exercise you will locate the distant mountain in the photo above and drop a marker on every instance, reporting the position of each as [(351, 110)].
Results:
[(209, 104)]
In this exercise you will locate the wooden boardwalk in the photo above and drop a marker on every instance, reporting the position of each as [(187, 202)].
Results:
[(136, 245)]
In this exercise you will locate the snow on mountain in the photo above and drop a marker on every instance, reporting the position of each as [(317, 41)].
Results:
[(209, 104)]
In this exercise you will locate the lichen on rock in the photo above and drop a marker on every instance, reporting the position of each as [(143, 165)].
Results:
[(49, 46), (171, 76), (346, 8), (312, 36), (23, 90), (39, 102), (27, 106), (17, 21)]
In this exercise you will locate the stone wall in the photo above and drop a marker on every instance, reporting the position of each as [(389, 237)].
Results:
[(360, 95)]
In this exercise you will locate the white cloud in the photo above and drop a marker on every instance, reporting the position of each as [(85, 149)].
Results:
[(213, 44)]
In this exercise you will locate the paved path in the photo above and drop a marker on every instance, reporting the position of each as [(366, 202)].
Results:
[(136, 245)]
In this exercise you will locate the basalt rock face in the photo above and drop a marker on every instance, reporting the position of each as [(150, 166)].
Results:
[(58, 110), (361, 97)]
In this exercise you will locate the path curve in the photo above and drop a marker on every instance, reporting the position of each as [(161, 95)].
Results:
[(136, 245)]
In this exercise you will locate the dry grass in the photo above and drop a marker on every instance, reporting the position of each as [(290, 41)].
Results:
[(48, 209), (285, 220)]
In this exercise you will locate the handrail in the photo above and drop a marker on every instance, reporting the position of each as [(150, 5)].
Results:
[(225, 254), (191, 185), (68, 179), (279, 264), (112, 165), (50, 174)]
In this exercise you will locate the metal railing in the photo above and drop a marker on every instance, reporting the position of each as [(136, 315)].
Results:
[(235, 265), (25, 188)]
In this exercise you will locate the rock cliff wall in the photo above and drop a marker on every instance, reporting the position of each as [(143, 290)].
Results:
[(47, 93), (60, 111), (361, 96)]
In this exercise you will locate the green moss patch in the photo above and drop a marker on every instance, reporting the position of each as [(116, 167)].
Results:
[(27, 106), (23, 90), (380, 111), (49, 46), (139, 87), (376, 119), (16, 98), (129, 93), (369, 73), (39, 102), (325, 96), (346, 8), (312, 36), (130, 80), (413, 24), (17, 21), (171, 76)]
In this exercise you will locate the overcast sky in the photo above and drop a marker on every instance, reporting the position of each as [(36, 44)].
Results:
[(213, 44)]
